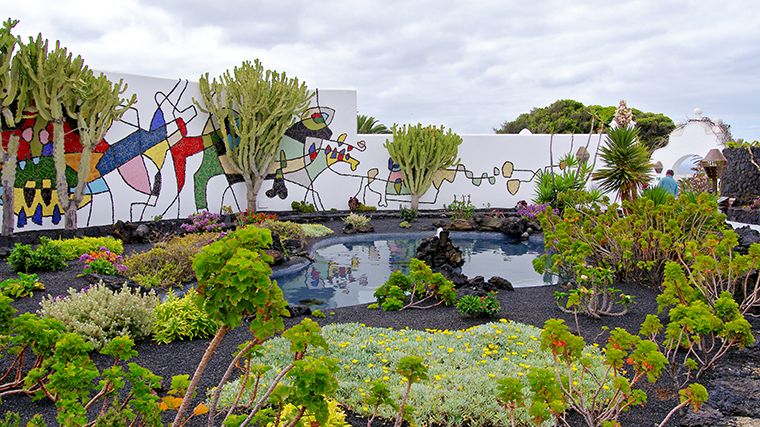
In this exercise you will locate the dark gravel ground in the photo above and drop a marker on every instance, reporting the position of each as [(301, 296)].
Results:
[(527, 305)]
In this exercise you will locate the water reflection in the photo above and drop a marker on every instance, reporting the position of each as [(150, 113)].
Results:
[(347, 272)]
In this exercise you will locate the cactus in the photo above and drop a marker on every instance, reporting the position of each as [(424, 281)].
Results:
[(51, 76), (421, 151), (252, 108), (95, 103), (13, 102)]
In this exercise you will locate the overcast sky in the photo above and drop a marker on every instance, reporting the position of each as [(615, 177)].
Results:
[(467, 64)]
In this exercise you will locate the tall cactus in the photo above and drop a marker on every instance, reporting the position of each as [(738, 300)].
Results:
[(252, 108), (52, 75), (12, 105), (421, 151), (95, 103)]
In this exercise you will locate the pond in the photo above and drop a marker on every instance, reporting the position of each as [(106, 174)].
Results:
[(347, 270)]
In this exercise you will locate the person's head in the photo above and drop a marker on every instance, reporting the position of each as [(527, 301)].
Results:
[(670, 172)]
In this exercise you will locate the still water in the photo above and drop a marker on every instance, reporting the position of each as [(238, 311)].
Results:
[(347, 270)]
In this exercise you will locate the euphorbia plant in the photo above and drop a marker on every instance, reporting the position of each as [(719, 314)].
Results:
[(233, 279), (413, 370), (698, 334)]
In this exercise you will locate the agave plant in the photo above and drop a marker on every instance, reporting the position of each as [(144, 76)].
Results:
[(627, 165), (571, 180)]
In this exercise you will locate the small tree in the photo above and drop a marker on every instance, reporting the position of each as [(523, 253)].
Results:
[(421, 151), (253, 108), (95, 103), (12, 105), (52, 77)]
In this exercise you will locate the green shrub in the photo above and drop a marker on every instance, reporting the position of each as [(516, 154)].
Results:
[(168, 263), (74, 248), (318, 314), (460, 209), (356, 220), (701, 330), (22, 286), (100, 315), (634, 246), (287, 230), (420, 289), (408, 215), (475, 306), (183, 318), (315, 230), (462, 367), (405, 224), (558, 186), (46, 257), (303, 207)]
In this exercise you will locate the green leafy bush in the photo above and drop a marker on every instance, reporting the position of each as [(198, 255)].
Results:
[(462, 368), (287, 230), (408, 215), (100, 315), (562, 185), (594, 294), (303, 207), (45, 257), (315, 230), (182, 319), (356, 220), (575, 380), (420, 289), (479, 306), (22, 286), (405, 224), (168, 263), (460, 209), (61, 370), (634, 246), (74, 248), (336, 418), (700, 330)]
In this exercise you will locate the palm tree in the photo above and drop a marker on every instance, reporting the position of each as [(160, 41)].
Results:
[(626, 163), (369, 124)]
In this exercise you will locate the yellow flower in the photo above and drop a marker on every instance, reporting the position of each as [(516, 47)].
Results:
[(450, 350), (354, 361), (371, 365), (386, 378)]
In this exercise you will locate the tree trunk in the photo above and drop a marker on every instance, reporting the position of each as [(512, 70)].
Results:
[(415, 202), (8, 178), (70, 220), (59, 158), (210, 350), (252, 187)]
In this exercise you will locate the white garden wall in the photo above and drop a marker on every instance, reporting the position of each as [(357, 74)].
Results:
[(164, 160)]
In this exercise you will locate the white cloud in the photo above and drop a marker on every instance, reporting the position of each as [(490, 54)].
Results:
[(470, 65)]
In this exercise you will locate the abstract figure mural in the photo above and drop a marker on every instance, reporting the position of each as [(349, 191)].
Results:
[(164, 158)]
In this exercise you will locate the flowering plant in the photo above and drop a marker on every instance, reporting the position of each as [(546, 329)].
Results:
[(532, 211), (203, 221), (251, 217), (102, 261)]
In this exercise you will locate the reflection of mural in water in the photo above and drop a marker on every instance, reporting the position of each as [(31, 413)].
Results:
[(348, 273)]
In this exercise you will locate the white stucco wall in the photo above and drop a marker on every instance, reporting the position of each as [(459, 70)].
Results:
[(688, 144)]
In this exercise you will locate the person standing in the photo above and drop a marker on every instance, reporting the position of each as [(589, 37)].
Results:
[(669, 183)]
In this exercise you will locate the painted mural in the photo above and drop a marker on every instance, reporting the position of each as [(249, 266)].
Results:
[(164, 159)]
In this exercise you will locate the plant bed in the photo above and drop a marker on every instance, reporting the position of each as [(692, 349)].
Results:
[(532, 306)]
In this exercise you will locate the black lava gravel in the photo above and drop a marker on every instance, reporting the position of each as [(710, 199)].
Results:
[(527, 305)]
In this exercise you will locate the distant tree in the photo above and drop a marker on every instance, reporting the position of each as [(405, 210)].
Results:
[(369, 124), (569, 116)]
